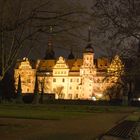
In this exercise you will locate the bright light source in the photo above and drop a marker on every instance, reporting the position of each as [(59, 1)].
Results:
[(94, 98), (139, 99), (99, 95)]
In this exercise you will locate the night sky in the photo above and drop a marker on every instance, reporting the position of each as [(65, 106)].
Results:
[(61, 48)]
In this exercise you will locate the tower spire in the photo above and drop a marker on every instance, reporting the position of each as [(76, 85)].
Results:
[(50, 45), (89, 34), (89, 47), (71, 56), (50, 54)]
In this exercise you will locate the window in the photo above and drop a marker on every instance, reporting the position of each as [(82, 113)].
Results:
[(70, 80), (70, 87), (63, 80), (28, 80), (77, 87), (76, 96), (78, 80), (70, 96), (54, 80), (62, 96)]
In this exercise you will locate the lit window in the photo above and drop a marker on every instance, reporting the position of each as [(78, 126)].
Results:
[(70, 96), (28, 80), (76, 96), (62, 96), (78, 80), (63, 80), (27, 89), (54, 80)]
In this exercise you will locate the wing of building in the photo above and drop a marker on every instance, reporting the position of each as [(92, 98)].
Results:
[(71, 78)]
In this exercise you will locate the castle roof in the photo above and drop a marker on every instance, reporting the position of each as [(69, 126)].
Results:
[(73, 64), (71, 55), (45, 65), (89, 48)]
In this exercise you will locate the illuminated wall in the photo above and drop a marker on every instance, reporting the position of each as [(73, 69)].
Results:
[(27, 74), (75, 79)]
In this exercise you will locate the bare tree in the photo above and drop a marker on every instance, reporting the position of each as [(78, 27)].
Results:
[(59, 90), (118, 19), (118, 24), (23, 21)]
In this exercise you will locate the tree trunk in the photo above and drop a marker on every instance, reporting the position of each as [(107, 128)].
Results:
[(7, 87), (41, 96), (125, 95), (1, 89)]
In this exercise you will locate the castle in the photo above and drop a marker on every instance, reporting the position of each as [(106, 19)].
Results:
[(71, 78)]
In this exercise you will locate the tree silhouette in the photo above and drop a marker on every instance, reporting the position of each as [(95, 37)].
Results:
[(19, 91), (36, 92)]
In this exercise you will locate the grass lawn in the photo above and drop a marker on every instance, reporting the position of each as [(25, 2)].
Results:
[(53, 122), (55, 112)]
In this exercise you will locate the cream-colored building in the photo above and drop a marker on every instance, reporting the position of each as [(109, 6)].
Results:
[(68, 78)]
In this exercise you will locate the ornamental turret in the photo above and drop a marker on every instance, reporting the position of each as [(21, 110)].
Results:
[(50, 54), (88, 55)]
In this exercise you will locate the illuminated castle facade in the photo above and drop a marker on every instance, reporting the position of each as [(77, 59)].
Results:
[(71, 78)]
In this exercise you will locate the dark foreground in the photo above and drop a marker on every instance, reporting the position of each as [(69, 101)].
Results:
[(53, 122)]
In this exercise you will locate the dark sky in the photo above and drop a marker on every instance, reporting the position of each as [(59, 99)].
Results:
[(61, 49)]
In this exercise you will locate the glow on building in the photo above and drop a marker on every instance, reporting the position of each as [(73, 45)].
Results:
[(71, 78)]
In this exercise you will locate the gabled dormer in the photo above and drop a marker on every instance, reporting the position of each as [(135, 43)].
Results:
[(61, 68)]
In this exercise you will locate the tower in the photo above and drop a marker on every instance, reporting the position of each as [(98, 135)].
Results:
[(71, 55), (88, 69), (50, 54), (88, 54), (88, 66)]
